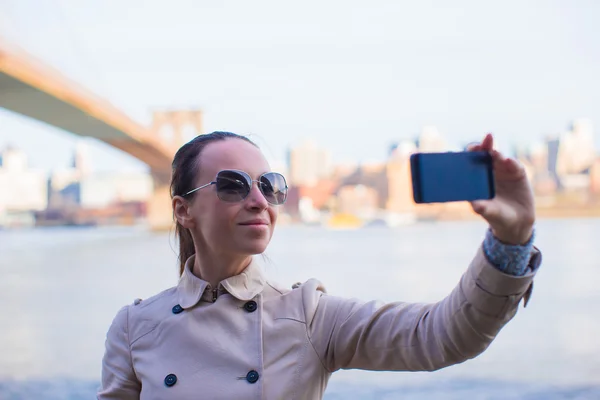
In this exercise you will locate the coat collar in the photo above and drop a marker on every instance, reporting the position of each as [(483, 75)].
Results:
[(244, 286)]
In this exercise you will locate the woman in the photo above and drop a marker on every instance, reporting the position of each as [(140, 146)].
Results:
[(226, 332)]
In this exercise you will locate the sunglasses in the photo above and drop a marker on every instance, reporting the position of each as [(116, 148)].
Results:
[(234, 186)]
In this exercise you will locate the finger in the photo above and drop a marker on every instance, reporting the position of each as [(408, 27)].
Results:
[(506, 167), (488, 209), (488, 142), (474, 147), (478, 206), (497, 157), (513, 166), (507, 162)]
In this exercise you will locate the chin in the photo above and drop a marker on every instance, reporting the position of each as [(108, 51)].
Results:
[(252, 247)]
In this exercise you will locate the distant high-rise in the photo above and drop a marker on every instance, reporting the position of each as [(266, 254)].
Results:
[(81, 160), (430, 140), (14, 160), (308, 164), (553, 146), (404, 149), (595, 177), (571, 156), (538, 157), (399, 183), (21, 188), (576, 152)]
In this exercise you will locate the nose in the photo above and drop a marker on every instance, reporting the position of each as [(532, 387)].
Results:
[(256, 200)]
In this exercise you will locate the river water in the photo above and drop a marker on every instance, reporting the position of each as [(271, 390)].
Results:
[(61, 287)]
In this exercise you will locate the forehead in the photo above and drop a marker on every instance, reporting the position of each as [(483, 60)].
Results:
[(232, 154)]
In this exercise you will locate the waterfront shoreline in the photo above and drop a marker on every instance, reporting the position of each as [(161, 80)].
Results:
[(464, 214), (473, 389)]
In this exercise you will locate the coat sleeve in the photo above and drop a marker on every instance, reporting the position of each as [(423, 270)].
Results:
[(118, 376), (348, 334)]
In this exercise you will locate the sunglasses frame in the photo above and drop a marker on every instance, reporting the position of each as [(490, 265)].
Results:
[(248, 179)]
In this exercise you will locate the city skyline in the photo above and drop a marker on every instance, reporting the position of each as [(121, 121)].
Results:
[(134, 165), (564, 172)]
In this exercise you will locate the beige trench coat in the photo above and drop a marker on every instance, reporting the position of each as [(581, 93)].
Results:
[(260, 341)]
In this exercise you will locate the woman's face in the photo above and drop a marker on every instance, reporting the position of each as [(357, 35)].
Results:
[(231, 229)]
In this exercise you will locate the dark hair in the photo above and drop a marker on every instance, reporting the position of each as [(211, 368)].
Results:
[(185, 168)]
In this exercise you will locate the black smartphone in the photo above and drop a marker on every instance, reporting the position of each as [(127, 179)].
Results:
[(452, 176)]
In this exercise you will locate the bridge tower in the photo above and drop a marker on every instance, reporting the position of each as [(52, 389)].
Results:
[(174, 128)]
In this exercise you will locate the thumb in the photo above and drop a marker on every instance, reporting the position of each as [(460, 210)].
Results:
[(488, 209)]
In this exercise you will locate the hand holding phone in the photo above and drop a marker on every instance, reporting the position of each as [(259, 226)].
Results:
[(452, 176)]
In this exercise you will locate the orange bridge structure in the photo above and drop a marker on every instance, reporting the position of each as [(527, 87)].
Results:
[(34, 89)]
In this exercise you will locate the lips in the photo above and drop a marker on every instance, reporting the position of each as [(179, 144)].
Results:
[(255, 222)]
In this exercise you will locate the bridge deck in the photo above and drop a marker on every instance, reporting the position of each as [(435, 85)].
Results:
[(33, 89)]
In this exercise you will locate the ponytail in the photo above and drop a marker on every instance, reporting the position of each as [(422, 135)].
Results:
[(186, 245)]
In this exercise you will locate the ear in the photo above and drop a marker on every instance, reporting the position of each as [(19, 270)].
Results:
[(181, 211)]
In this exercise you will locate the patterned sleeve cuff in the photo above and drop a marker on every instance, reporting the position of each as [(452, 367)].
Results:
[(510, 259)]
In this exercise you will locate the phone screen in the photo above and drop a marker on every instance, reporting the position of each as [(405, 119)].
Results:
[(452, 176)]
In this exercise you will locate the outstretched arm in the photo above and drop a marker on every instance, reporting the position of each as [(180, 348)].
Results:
[(402, 336), (417, 337)]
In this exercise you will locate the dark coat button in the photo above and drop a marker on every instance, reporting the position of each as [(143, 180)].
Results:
[(250, 306), (171, 379), (177, 309), (252, 376)]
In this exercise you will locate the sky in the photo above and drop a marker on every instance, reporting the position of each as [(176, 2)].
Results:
[(353, 76)]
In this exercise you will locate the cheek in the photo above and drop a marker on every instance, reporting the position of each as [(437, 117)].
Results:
[(210, 214), (222, 216), (274, 213)]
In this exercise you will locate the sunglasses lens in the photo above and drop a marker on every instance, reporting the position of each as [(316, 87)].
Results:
[(232, 186), (273, 187)]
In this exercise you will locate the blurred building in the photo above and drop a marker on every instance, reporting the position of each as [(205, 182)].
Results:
[(77, 195), (342, 171), (537, 155), (576, 152), (572, 155), (359, 200), (21, 188), (82, 162), (64, 189), (404, 149), (103, 190), (307, 202), (430, 141), (534, 158), (308, 164), (399, 180), (595, 177), (373, 176)]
